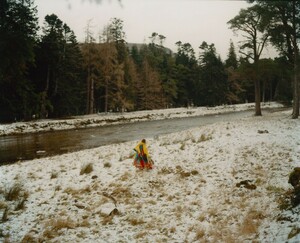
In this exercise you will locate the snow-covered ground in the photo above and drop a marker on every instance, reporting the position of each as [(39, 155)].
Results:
[(224, 182)]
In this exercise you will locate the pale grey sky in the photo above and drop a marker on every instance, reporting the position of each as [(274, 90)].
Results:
[(191, 21)]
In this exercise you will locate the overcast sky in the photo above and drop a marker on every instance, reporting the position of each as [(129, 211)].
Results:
[(191, 21)]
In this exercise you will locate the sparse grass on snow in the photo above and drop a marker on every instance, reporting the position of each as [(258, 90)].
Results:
[(194, 193)]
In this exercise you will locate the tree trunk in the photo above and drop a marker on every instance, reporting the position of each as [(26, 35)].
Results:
[(44, 94), (264, 91), (257, 86), (87, 94), (88, 87), (92, 98), (295, 114), (106, 97), (295, 94), (90, 95), (257, 98)]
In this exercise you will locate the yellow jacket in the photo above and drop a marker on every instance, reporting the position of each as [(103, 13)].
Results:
[(141, 149)]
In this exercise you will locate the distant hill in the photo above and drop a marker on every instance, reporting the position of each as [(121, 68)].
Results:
[(140, 45)]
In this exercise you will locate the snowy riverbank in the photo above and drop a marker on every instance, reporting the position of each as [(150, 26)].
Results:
[(102, 119), (217, 183)]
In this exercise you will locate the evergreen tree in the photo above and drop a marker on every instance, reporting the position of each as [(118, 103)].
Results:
[(18, 27), (187, 75), (235, 89), (49, 63), (136, 56), (118, 37), (69, 97), (283, 90), (268, 75), (213, 78), (231, 60), (58, 70)]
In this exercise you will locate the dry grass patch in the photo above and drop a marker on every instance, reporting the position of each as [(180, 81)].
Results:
[(107, 220), (21, 204), (84, 223), (61, 223), (284, 201), (53, 227), (138, 206), (212, 212), (202, 217), (251, 222), (178, 211), (78, 193), (141, 235), (200, 233), (152, 202), (165, 170), (4, 217), (220, 233), (182, 146), (275, 189), (86, 168), (54, 175), (17, 197), (126, 176), (172, 230), (31, 175), (134, 221), (29, 238), (107, 165), (205, 137), (170, 198), (294, 231), (74, 192), (122, 192), (13, 193), (3, 204)]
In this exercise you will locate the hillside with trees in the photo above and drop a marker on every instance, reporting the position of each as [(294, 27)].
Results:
[(48, 74)]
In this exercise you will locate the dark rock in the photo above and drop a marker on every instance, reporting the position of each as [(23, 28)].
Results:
[(247, 184), (294, 178), (262, 131)]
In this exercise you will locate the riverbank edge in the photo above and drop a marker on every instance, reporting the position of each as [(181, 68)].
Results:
[(103, 119)]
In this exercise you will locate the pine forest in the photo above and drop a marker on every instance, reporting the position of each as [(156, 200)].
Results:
[(46, 73)]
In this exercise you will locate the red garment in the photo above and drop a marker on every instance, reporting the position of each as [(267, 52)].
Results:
[(141, 159)]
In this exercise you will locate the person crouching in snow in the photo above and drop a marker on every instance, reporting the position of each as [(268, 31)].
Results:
[(142, 159)]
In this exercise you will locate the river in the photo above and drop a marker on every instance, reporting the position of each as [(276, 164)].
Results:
[(29, 146)]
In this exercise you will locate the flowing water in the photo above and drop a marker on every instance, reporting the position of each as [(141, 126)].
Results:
[(30, 146)]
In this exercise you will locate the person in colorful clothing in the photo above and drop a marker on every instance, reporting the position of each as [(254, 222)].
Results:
[(142, 159)]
